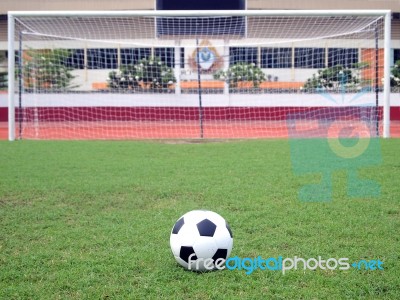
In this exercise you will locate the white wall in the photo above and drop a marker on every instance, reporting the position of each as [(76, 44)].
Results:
[(192, 100)]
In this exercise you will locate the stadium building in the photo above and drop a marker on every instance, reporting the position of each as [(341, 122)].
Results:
[(265, 57)]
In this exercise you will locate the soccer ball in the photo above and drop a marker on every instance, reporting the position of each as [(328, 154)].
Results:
[(201, 240)]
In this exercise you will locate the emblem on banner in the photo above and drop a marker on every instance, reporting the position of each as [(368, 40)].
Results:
[(207, 58)]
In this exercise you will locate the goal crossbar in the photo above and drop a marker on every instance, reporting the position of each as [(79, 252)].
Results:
[(199, 13)]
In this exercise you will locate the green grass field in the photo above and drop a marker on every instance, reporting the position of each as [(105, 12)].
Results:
[(92, 220)]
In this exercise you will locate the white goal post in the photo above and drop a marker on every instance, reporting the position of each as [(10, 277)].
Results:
[(355, 44)]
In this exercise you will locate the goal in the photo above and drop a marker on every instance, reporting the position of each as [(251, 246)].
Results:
[(198, 74)]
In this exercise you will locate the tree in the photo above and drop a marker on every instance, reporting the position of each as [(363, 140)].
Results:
[(3, 80), (395, 77), (3, 74), (149, 73), (332, 78), (241, 72), (46, 70), (126, 78)]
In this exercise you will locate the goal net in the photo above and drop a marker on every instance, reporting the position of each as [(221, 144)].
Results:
[(207, 74)]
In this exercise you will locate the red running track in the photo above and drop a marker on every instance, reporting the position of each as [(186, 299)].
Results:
[(136, 130)]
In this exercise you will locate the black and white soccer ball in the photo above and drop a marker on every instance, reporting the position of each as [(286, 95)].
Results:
[(201, 240)]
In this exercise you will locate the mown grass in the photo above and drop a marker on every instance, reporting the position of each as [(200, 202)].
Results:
[(91, 220)]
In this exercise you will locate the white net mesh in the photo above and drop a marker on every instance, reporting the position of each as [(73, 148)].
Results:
[(141, 77)]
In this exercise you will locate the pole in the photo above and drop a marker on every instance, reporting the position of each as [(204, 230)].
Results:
[(11, 77), (386, 70), (20, 87), (376, 80), (199, 89)]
